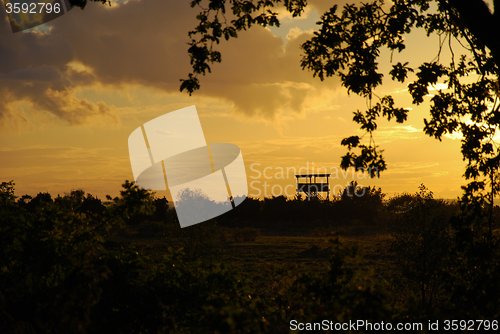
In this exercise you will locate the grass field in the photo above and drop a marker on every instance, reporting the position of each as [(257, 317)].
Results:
[(307, 250), (298, 249)]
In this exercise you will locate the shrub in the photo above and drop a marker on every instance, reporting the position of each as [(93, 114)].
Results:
[(343, 293), (421, 245)]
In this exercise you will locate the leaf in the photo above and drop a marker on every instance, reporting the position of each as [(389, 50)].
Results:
[(350, 142), (400, 71)]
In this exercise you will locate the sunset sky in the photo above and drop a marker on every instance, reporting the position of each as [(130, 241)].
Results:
[(73, 90)]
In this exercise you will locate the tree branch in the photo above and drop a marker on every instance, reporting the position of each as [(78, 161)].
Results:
[(477, 18)]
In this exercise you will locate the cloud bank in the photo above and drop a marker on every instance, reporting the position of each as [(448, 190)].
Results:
[(143, 43)]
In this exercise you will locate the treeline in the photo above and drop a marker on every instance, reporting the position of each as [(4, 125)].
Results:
[(74, 264), (356, 205)]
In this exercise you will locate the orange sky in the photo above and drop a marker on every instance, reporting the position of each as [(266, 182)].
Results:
[(71, 95)]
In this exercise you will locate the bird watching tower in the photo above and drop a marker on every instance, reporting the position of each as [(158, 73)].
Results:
[(313, 185)]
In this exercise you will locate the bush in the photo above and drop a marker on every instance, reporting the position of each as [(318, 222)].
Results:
[(421, 245), (343, 293)]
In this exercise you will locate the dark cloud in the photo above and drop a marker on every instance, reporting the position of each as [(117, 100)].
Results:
[(44, 73), (143, 42), (34, 69)]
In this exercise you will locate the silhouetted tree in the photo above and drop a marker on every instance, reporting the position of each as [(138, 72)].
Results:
[(134, 203)]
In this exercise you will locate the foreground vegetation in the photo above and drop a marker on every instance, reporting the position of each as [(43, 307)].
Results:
[(75, 264)]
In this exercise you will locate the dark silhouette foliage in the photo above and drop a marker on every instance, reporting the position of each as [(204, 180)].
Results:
[(421, 245), (65, 268)]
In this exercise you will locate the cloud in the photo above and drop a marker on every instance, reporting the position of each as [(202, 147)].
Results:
[(145, 43), (296, 32), (262, 76), (34, 70)]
